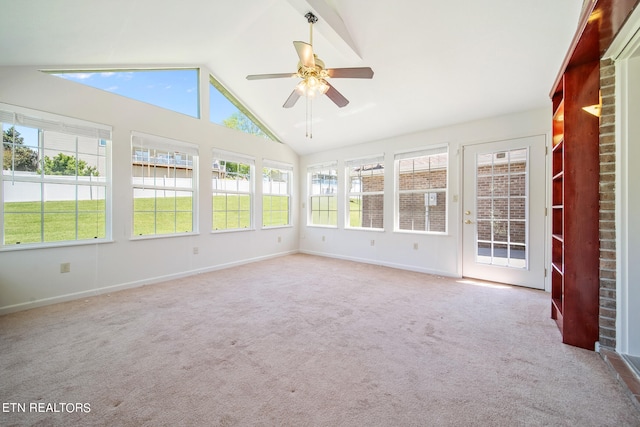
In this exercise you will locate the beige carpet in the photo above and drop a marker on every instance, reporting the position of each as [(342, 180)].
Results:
[(305, 341)]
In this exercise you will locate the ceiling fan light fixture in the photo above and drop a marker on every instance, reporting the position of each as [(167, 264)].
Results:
[(312, 87), (313, 76)]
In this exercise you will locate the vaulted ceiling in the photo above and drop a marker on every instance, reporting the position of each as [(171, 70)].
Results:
[(436, 63)]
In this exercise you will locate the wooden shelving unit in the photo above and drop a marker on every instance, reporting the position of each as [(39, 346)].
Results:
[(575, 173), (575, 206)]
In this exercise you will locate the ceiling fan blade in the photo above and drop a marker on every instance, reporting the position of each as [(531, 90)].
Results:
[(305, 53), (336, 97), (292, 99), (270, 76), (350, 73)]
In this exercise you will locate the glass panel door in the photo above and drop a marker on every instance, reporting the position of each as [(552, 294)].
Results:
[(501, 199)]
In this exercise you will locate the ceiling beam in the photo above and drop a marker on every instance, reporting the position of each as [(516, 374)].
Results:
[(330, 25)]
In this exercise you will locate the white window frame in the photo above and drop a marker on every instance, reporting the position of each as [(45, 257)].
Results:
[(46, 122), (226, 156), (152, 183), (417, 154), (268, 189), (355, 168), (329, 191)]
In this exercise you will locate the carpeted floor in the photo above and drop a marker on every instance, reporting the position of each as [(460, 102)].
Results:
[(304, 341)]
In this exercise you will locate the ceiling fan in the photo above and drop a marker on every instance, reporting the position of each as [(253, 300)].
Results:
[(314, 75)]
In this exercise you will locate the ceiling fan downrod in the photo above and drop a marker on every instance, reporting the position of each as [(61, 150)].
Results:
[(311, 19)]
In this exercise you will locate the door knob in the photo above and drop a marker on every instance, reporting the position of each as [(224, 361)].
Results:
[(467, 221), (467, 212)]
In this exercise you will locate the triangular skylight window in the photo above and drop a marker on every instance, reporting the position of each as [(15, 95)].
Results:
[(226, 110), (173, 89)]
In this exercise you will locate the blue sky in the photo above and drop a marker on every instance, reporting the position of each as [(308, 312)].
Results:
[(175, 90)]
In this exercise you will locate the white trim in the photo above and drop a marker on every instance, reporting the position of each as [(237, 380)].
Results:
[(430, 151), (627, 40), (273, 164), (319, 166), (145, 140), (625, 46), (382, 263), (135, 284), (52, 122), (233, 157), (366, 160)]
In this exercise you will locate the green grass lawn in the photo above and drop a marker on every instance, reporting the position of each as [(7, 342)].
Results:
[(23, 221), (324, 211), (26, 222)]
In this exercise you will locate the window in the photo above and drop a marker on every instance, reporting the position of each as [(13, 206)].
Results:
[(232, 183), (55, 178), (365, 193), (164, 177), (323, 199), (173, 89), (226, 110), (276, 194), (422, 190)]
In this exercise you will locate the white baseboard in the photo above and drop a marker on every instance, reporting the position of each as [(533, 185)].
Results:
[(382, 263), (135, 284)]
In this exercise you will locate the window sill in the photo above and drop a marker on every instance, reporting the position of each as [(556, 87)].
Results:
[(31, 246), (376, 230), (161, 236), (321, 226), (423, 233), (275, 227), (233, 230)]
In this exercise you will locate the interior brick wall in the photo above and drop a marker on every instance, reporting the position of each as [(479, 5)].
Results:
[(607, 320)]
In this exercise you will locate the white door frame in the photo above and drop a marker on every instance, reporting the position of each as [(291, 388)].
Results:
[(541, 259), (625, 46)]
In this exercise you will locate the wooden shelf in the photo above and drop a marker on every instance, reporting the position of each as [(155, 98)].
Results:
[(574, 200), (557, 267)]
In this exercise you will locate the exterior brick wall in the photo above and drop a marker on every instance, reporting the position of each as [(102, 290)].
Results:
[(607, 318), (501, 180), (414, 211), (373, 205)]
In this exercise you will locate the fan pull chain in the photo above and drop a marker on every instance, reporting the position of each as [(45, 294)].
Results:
[(309, 118)]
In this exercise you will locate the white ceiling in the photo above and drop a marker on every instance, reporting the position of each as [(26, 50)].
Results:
[(436, 63)]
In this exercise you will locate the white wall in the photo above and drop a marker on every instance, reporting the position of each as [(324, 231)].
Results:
[(437, 254), (31, 277)]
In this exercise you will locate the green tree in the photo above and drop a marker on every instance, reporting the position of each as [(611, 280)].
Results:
[(16, 156), (63, 164), (241, 122), (232, 169)]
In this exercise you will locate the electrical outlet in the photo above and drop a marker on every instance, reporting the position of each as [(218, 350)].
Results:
[(65, 267), (415, 246), (196, 251), (373, 243), (279, 239), (323, 238)]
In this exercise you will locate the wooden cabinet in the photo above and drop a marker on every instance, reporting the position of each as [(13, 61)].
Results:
[(575, 206)]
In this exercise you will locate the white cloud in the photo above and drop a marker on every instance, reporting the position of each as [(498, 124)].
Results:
[(79, 76), (112, 88)]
